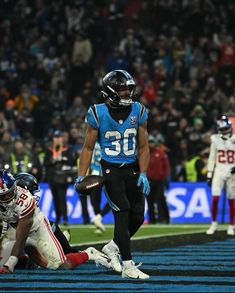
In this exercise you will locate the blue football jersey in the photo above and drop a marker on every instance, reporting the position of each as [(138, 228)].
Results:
[(117, 139)]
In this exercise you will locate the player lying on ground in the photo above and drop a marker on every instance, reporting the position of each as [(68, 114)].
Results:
[(31, 232), (29, 182)]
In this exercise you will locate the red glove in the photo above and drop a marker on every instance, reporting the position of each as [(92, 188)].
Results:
[(4, 270)]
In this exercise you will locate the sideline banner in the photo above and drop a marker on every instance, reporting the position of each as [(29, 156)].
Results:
[(188, 203)]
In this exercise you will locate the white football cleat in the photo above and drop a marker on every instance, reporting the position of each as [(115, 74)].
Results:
[(98, 257), (97, 221), (230, 230), (98, 232), (132, 271), (113, 254), (212, 229)]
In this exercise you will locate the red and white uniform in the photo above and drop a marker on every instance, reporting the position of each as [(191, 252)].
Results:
[(40, 234), (221, 160)]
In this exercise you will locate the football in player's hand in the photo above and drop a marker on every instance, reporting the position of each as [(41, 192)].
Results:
[(89, 183)]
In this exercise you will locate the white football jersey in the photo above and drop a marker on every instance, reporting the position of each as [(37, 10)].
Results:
[(222, 154), (21, 206), (40, 235)]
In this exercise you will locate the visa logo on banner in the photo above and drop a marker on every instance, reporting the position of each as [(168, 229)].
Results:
[(188, 203), (191, 203)]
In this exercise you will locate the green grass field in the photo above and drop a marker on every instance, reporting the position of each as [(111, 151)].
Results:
[(84, 234)]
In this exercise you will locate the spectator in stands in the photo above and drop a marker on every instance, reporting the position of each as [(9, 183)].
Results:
[(82, 47), (3, 124), (25, 100), (76, 109), (4, 96), (6, 144), (194, 169), (78, 74), (116, 60), (20, 160), (129, 45), (10, 110)]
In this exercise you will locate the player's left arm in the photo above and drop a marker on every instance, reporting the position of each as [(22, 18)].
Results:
[(143, 149), (22, 231)]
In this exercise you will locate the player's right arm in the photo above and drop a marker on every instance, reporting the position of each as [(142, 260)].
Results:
[(25, 207), (211, 160), (87, 150), (212, 155)]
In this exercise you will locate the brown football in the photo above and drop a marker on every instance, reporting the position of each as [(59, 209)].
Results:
[(89, 183)]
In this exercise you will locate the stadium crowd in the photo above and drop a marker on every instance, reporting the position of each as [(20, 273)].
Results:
[(53, 55)]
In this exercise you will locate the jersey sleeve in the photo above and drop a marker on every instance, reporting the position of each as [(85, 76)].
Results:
[(25, 203), (143, 114), (92, 117)]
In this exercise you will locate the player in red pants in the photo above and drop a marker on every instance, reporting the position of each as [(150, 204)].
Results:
[(220, 171), (30, 231)]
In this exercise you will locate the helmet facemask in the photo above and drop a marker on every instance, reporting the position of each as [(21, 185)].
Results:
[(224, 127), (7, 196), (225, 132)]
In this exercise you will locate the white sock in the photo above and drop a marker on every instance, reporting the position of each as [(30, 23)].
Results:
[(113, 245)]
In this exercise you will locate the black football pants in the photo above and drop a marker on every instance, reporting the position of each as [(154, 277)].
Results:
[(127, 203)]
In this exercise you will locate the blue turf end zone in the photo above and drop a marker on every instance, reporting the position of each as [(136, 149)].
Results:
[(208, 267)]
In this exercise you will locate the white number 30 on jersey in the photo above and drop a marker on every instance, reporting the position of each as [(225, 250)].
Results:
[(129, 142)]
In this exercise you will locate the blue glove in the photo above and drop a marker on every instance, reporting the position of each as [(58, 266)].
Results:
[(143, 181), (78, 180)]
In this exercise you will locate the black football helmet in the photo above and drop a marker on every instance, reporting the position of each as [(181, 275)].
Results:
[(29, 182), (224, 127), (113, 82)]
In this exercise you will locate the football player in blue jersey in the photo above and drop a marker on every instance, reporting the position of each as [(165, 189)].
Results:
[(120, 127)]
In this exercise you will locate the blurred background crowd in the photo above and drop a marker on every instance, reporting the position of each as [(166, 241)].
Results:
[(54, 53)]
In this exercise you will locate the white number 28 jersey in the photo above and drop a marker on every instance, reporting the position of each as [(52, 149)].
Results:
[(222, 154)]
